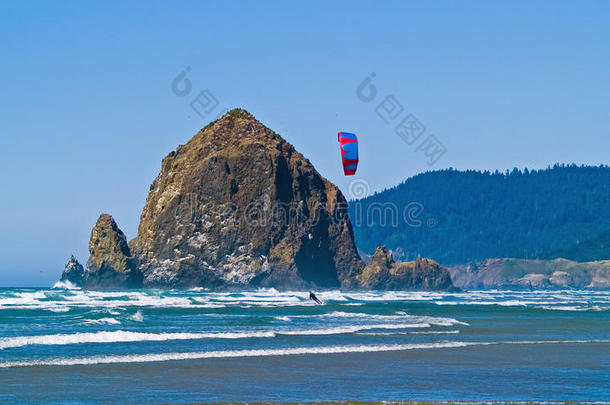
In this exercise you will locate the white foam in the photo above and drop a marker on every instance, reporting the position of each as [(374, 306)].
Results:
[(578, 308), (60, 298), (431, 332), (65, 285), (436, 332), (102, 321), (160, 357), (341, 314), (138, 317), (388, 318), (554, 300), (120, 337), (58, 309), (351, 329)]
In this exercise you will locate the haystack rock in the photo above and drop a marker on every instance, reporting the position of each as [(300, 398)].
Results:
[(383, 273), (239, 206)]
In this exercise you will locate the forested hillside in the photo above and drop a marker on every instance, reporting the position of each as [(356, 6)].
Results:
[(563, 211)]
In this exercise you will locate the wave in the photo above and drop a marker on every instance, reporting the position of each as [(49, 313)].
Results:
[(121, 336), (341, 314), (339, 330), (436, 332), (58, 309), (158, 357), (60, 297), (161, 357), (431, 332), (102, 321), (510, 303), (573, 308), (65, 285), (401, 316), (138, 317)]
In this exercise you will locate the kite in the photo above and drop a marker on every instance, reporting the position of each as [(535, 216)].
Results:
[(349, 152)]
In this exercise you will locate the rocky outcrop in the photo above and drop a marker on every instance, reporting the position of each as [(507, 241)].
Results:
[(507, 273), (383, 273), (110, 263), (239, 206), (74, 272)]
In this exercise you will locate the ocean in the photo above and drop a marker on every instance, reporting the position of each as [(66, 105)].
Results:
[(154, 346)]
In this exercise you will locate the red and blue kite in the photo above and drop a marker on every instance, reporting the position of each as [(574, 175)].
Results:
[(349, 152)]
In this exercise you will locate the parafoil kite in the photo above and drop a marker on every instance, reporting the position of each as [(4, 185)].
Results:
[(349, 152)]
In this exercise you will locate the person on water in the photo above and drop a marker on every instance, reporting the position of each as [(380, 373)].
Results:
[(313, 297)]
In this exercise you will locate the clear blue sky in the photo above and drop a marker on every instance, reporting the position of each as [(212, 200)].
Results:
[(87, 112)]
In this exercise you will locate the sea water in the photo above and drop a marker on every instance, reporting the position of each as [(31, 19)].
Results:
[(156, 346)]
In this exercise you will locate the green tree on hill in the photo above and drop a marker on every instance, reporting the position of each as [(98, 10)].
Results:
[(561, 211)]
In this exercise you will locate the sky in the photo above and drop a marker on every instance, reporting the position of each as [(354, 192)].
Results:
[(90, 97)]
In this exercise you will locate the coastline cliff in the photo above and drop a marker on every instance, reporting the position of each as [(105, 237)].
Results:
[(510, 273)]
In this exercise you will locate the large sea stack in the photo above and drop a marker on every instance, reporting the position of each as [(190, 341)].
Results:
[(239, 206)]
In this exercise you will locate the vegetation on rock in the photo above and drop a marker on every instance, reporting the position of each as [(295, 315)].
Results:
[(383, 273)]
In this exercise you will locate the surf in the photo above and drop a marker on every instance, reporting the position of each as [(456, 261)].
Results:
[(320, 350)]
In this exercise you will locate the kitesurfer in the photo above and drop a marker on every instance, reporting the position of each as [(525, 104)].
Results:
[(313, 297)]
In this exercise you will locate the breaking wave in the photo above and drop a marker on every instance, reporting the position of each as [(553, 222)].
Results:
[(102, 321), (121, 336), (160, 357), (65, 285), (129, 336), (143, 358), (64, 295), (431, 332)]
